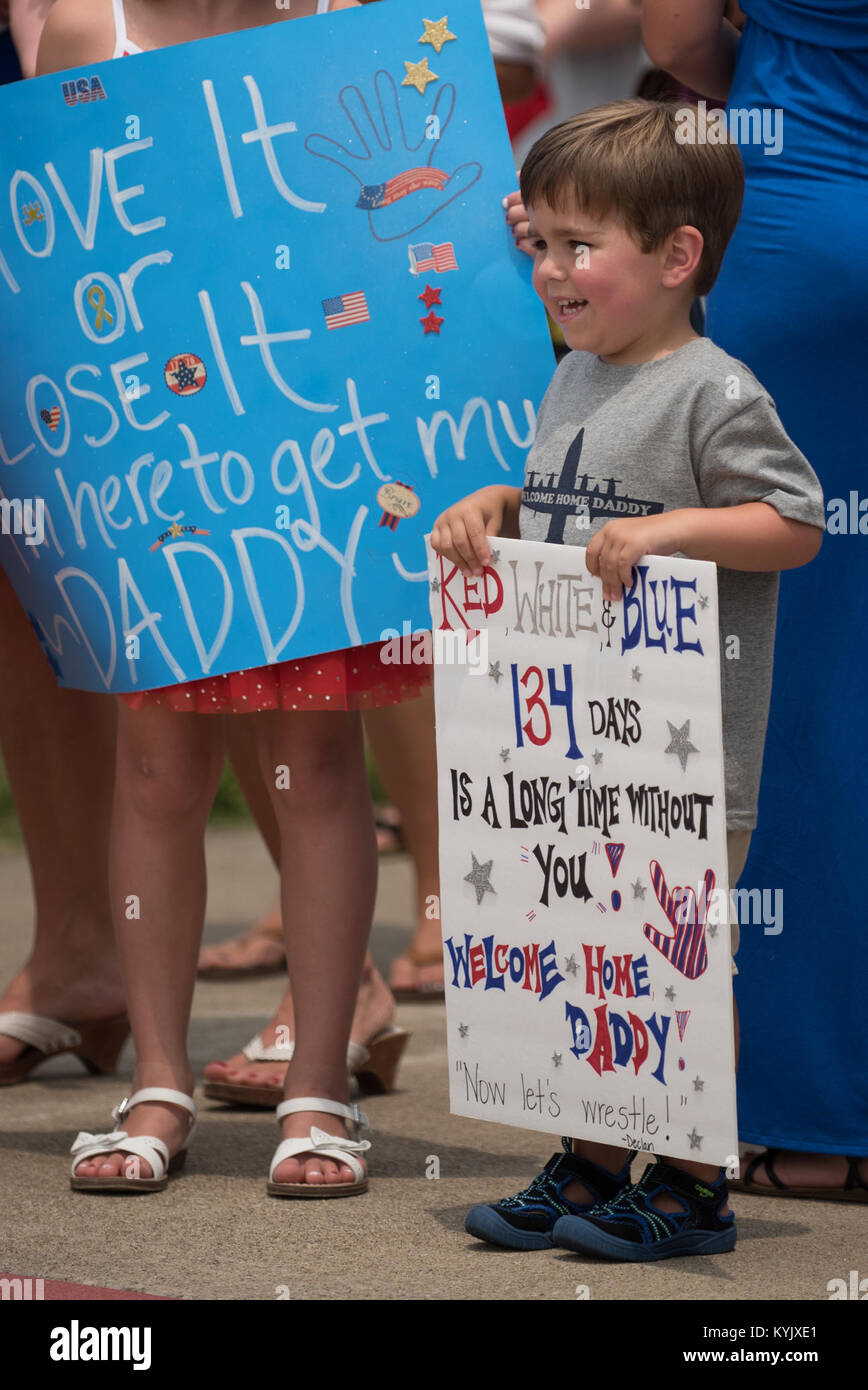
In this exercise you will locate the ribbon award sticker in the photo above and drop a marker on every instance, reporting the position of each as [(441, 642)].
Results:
[(397, 500)]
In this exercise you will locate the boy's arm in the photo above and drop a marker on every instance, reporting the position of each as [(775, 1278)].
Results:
[(750, 536), (511, 507), (763, 505)]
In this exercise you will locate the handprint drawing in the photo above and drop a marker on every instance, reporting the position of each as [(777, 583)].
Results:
[(399, 194), (686, 949)]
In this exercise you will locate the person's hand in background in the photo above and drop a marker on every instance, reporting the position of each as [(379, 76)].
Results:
[(602, 25)]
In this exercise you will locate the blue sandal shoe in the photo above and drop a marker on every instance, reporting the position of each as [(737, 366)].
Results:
[(526, 1221), (630, 1227)]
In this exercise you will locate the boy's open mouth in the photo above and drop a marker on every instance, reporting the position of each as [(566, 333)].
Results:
[(566, 309)]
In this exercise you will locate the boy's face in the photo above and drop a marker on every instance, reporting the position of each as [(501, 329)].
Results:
[(597, 284)]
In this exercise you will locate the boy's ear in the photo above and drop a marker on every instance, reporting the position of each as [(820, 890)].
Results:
[(682, 255)]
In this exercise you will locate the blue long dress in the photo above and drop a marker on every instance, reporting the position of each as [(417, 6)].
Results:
[(792, 302)]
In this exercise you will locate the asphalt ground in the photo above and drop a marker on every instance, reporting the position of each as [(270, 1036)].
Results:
[(215, 1234)]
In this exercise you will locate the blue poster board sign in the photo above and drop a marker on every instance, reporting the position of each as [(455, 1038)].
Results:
[(263, 320)]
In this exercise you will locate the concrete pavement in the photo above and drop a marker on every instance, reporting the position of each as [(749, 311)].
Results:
[(215, 1234)]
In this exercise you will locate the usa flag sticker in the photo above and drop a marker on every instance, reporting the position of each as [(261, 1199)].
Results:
[(345, 309), (426, 255)]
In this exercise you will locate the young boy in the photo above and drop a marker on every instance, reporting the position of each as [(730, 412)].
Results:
[(629, 221)]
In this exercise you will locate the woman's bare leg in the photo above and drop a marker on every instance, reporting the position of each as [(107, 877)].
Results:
[(58, 747), (260, 946), (168, 769), (375, 1007), (329, 882), (402, 737)]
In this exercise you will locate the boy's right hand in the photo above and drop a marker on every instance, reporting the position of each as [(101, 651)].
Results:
[(459, 533)]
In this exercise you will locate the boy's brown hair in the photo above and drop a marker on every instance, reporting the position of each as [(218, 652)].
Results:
[(641, 162)]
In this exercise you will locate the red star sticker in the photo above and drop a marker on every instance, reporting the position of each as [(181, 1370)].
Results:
[(431, 323), (430, 296)]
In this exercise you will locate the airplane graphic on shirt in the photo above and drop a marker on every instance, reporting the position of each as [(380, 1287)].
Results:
[(576, 492)]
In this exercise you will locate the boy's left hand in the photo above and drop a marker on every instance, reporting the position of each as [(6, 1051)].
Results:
[(617, 546), (517, 221)]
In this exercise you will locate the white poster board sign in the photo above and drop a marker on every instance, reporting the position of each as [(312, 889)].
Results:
[(584, 894)]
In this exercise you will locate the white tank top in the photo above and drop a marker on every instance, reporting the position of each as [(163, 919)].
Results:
[(124, 47)]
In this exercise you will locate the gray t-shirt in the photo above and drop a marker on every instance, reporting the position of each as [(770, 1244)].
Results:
[(694, 429)]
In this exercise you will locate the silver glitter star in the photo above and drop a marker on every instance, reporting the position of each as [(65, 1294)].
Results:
[(495, 671), (681, 744), (598, 757), (670, 994), (557, 1059), (478, 876), (695, 1139), (504, 753), (637, 674), (435, 584), (495, 555), (463, 1030), (639, 889), (698, 1083), (571, 967), (703, 600)]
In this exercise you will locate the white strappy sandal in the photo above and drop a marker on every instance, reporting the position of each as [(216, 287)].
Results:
[(146, 1146), (334, 1146)]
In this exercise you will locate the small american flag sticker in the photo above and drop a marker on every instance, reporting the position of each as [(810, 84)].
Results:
[(427, 255), (345, 309)]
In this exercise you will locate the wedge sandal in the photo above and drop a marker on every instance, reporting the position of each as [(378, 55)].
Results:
[(97, 1045), (374, 1066)]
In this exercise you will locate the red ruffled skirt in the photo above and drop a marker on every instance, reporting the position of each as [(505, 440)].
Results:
[(354, 678)]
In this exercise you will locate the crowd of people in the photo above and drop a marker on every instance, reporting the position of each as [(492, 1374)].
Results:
[(754, 265)]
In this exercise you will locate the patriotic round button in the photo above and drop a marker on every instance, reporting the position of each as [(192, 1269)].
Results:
[(398, 500), (185, 374)]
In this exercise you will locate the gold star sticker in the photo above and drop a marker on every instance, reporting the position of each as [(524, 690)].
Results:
[(418, 75), (436, 33), (175, 530)]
